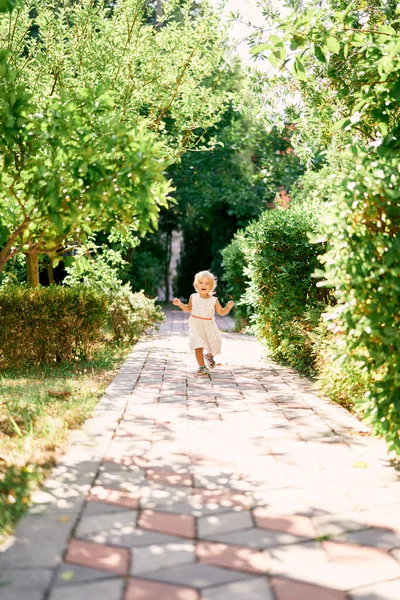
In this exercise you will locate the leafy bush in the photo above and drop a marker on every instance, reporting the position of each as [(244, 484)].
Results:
[(363, 265), (282, 292), (43, 325), (132, 313), (129, 313), (233, 264)]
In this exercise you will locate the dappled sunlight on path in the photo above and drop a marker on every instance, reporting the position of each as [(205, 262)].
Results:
[(241, 485)]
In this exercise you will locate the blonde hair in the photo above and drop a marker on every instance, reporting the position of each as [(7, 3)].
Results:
[(208, 275)]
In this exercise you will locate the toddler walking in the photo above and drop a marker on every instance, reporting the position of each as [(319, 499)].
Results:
[(203, 330)]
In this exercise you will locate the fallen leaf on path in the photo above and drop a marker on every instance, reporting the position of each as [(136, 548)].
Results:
[(67, 575), (64, 519)]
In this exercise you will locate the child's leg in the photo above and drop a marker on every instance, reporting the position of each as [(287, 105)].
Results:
[(200, 356)]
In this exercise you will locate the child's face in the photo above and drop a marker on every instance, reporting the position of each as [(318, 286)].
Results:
[(204, 285)]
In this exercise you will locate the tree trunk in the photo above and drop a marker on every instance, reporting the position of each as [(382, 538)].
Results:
[(50, 272), (159, 10), (32, 269)]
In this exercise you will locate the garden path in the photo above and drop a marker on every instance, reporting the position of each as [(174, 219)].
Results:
[(243, 485)]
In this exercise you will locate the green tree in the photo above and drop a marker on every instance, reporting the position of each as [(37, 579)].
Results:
[(69, 171), (112, 98), (219, 192)]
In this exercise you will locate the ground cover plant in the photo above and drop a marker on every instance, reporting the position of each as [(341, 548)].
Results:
[(39, 407)]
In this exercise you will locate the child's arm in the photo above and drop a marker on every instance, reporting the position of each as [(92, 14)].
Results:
[(185, 307), (223, 311)]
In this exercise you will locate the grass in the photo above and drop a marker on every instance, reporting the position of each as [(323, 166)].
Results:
[(39, 407)]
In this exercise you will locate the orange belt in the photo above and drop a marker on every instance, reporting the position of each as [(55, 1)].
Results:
[(202, 318)]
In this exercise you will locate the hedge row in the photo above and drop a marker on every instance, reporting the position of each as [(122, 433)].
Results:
[(53, 324), (48, 324), (274, 265)]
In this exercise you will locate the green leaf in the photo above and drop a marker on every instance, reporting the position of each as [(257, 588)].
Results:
[(260, 48), (273, 60), (319, 53), (342, 124), (332, 44), (299, 70), (396, 90), (275, 40), (388, 29)]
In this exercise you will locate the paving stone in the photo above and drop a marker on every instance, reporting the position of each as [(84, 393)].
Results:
[(126, 460), (255, 538), (178, 525), (198, 576), (226, 498), (341, 576), (95, 507), (39, 541), (155, 495), (140, 589), (390, 590), (238, 558), (102, 590), (129, 481), (117, 497), (68, 574), (380, 538), (224, 522), (285, 589), (102, 528), (15, 593), (396, 553), (386, 516), (294, 524), (169, 477), (16, 584), (196, 509), (336, 524), (156, 557), (252, 589), (98, 556), (284, 559)]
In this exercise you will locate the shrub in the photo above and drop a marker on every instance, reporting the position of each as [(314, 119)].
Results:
[(233, 264), (132, 313), (43, 325), (129, 313), (363, 265), (282, 292)]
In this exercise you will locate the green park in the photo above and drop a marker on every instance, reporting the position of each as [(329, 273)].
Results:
[(142, 143)]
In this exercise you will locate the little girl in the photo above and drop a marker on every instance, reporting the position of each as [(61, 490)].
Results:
[(203, 330)]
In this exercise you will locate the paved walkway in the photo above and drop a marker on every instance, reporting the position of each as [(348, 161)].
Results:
[(240, 486)]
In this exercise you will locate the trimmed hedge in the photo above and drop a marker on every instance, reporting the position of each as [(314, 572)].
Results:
[(48, 324), (131, 313), (283, 302), (362, 264), (233, 264)]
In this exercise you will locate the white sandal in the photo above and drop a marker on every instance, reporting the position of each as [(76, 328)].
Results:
[(202, 371)]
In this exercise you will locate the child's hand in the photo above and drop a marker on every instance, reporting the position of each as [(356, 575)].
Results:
[(230, 304), (176, 302)]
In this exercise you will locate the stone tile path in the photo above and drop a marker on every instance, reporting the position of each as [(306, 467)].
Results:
[(243, 485)]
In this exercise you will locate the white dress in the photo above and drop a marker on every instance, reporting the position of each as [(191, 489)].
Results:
[(203, 330)]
